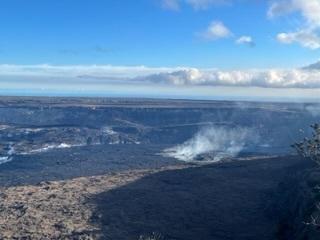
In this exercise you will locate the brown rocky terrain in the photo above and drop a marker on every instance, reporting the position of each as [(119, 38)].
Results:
[(58, 209), (231, 200)]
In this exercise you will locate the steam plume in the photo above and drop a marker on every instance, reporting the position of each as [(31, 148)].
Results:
[(220, 141)]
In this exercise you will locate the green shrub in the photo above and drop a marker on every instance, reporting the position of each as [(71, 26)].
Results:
[(310, 147), (153, 236)]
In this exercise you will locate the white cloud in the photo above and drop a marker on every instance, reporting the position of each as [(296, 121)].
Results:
[(309, 9), (247, 40), (205, 4), (216, 30), (46, 70), (171, 4), (305, 38), (272, 78), (280, 8), (308, 77), (308, 33), (195, 4)]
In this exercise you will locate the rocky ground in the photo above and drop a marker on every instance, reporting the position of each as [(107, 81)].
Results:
[(232, 200), (102, 176), (59, 209)]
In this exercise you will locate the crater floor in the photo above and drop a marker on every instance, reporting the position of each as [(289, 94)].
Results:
[(219, 201)]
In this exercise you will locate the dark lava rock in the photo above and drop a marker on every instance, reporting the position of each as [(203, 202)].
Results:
[(214, 202), (297, 202)]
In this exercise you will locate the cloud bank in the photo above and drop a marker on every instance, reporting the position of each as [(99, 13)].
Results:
[(302, 78), (272, 78), (66, 71)]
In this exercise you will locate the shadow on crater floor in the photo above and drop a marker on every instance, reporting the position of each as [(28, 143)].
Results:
[(222, 201)]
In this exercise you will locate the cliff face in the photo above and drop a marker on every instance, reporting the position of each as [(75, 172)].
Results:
[(164, 122)]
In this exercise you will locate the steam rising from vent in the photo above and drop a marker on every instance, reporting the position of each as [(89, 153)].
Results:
[(8, 158), (219, 142), (314, 110)]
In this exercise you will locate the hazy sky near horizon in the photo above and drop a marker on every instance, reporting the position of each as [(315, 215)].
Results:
[(181, 48)]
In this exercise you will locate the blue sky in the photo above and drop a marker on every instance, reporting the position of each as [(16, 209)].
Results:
[(167, 36), (141, 32)]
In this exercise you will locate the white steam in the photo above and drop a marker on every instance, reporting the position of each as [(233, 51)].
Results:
[(8, 158), (219, 141), (49, 147), (314, 110), (4, 160)]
